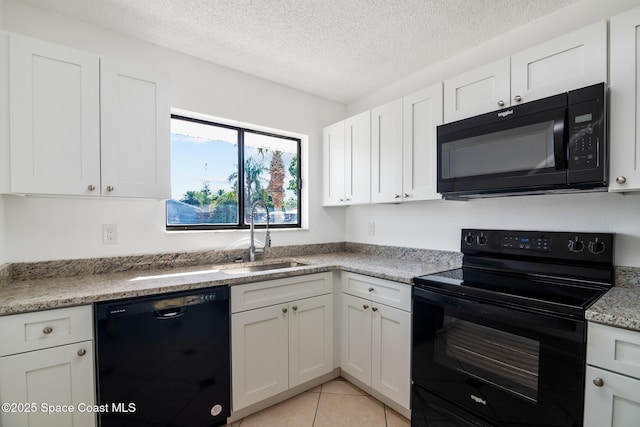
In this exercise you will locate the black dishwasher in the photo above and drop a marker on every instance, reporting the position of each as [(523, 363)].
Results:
[(164, 360)]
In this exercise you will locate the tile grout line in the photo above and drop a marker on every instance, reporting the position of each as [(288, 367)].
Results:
[(315, 415)]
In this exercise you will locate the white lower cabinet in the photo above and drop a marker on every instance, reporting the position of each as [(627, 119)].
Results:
[(612, 386), (46, 384), (376, 338), (280, 346)]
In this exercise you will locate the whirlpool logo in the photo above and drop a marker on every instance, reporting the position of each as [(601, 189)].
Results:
[(505, 113), (478, 399)]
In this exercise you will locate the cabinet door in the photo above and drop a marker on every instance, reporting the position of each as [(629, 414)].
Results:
[(310, 339), (55, 376), (391, 353), (55, 118), (5, 165), (356, 337), (386, 153), (260, 354), (333, 158), (624, 95), (477, 91), (616, 403), (358, 159), (572, 61), (422, 113), (135, 131)]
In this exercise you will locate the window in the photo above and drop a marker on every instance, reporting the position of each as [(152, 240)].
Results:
[(210, 190)]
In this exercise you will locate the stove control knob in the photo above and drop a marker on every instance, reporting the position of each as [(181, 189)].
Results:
[(482, 240), (596, 247), (576, 245), (469, 239)]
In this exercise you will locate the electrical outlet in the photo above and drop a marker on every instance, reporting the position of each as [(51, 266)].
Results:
[(372, 228), (109, 234)]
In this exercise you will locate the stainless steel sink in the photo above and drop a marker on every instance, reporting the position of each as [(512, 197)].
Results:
[(280, 265)]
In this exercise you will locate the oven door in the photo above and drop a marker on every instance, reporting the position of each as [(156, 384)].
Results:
[(488, 154), (493, 365)]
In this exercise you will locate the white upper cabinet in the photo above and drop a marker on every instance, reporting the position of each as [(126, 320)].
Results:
[(54, 106), (5, 170), (422, 113), (81, 125), (386, 152), (403, 147), (572, 61), (624, 122), (347, 161), (134, 131), (477, 91), (568, 62), (358, 159), (333, 159)]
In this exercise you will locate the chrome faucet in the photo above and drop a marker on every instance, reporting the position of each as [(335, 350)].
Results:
[(267, 238)]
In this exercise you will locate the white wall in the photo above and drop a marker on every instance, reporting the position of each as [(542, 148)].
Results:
[(57, 228), (437, 224)]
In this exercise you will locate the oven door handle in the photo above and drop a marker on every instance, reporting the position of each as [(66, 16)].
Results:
[(559, 140), (550, 325)]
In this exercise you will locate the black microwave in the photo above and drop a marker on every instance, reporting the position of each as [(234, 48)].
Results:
[(555, 144)]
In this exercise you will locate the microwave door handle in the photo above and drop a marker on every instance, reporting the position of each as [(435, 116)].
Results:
[(559, 145)]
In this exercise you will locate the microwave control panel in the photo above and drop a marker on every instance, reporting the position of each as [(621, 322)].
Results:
[(585, 124)]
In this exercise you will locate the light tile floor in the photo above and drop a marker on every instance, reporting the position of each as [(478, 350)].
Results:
[(333, 404)]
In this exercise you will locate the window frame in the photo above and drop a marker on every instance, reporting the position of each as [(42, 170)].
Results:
[(241, 181)]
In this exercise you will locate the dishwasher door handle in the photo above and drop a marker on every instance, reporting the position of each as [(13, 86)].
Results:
[(169, 313)]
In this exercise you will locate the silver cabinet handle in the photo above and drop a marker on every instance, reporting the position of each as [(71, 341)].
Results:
[(295, 308), (341, 200), (365, 306), (374, 308), (110, 188), (397, 196), (598, 382), (91, 187), (407, 195), (371, 289), (517, 98), (621, 180), (82, 352), (501, 103), (47, 330), (284, 310)]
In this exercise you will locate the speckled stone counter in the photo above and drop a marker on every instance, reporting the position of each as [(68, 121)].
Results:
[(620, 306), (54, 284)]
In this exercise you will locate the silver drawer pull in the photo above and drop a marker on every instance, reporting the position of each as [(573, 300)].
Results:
[(598, 382), (110, 188), (374, 308), (621, 180), (284, 310), (517, 98), (47, 330), (91, 187), (501, 103), (82, 352), (295, 308), (371, 289), (365, 306)]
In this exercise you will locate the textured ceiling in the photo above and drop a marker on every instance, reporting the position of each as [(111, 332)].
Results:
[(339, 49)]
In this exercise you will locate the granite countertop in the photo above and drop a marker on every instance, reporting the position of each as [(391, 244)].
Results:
[(47, 285), (620, 306), (33, 294)]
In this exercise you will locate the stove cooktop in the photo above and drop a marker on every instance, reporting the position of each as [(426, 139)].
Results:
[(534, 292)]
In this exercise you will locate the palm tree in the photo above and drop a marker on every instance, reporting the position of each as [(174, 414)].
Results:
[(276, 181)]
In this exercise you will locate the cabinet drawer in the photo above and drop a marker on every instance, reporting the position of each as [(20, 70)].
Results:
[(43, 329), (270, 292), (614, 349), (383, 291)]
